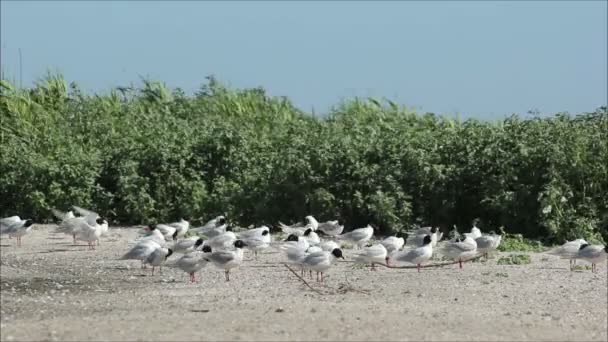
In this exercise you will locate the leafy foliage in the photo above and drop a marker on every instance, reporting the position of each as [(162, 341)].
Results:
[(514, 259), (155, 154)]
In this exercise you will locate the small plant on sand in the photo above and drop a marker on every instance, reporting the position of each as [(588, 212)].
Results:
[(581, 268), (517, 243), (514, 259)]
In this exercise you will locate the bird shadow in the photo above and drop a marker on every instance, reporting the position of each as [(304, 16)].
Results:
[(5, 245)]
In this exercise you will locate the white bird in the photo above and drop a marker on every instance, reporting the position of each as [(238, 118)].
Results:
[(392, 243), (312, 237), (294, 241), (141, 251), (331, 228), (257, 239), (295, 248), (461, 249), (594, 254), (192, 262), (14, 226), (487, 243), (227, 260), (158, 257), (214, 227), (568, 250), (187, 245), (90, 216), (5, 222), (181, 227), (374, 254), (359, 236), (90, 233), (418, 255), (474, 234), (221, 242), (321, 261)]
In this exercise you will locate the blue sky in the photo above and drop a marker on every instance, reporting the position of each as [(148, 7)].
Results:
[(475, 59)]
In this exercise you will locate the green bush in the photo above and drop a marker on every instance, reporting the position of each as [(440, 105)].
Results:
[(147, 154)]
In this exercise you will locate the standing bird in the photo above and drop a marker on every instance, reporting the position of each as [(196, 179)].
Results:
[(373, 254), (568, 250), (192, 262), (418, 255), (141, 251), (158, 257), (321, 261), (256, 239), (359, 236), (228, 260), (594, 254), (460, 249), (487, 243), (93, 215), (5, 222), (15, 227)]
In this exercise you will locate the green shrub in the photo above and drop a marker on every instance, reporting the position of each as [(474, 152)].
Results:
[(146, 154)]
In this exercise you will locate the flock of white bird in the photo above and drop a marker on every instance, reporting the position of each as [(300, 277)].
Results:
[(304, 248)]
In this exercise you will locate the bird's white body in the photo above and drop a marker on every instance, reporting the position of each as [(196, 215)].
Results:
[(392, 243), (374, 254)]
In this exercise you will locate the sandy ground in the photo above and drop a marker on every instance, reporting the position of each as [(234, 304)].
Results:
[(53, 290)]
